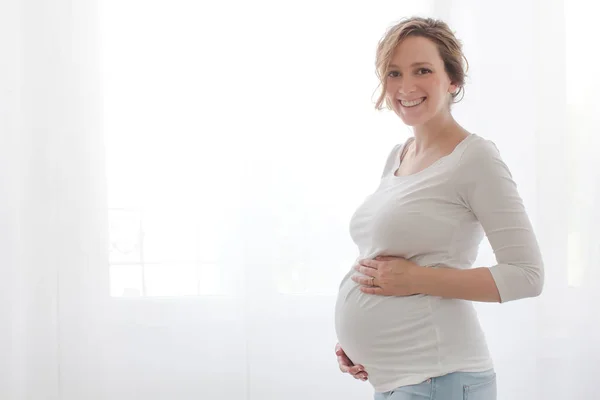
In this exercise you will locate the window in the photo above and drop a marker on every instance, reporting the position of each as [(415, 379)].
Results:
[(229, 152), (156, 255), (173, 190)]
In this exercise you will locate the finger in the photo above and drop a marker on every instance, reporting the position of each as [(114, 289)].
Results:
[(370, 263), (385, 258), (362, 376), (357, 369), (366, 270), (340, 352), (362, 280), (372, 290), (338, 349)]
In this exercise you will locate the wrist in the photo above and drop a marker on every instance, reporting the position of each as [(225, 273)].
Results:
[(419, 278)]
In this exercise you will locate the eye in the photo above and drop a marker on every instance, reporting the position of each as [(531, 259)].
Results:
[(393, 74), (423, 71)]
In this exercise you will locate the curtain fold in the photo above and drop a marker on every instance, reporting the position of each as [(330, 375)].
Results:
[(12, 309), (54, 201)]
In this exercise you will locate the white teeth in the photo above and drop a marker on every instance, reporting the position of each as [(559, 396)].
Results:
[(412, 103)]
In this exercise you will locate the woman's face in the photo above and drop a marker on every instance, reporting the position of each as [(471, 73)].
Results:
[(418, 87)]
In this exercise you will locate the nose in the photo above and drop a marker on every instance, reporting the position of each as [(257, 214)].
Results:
[(407, 86)]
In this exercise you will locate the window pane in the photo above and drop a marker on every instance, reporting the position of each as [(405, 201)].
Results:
[(182, 279), (169, 234), (126, 280), (125, 236)]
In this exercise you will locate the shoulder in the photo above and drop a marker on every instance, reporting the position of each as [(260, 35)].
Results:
[(391, 159), (394, 156), (400, 147), (480, 159), (479, 150)]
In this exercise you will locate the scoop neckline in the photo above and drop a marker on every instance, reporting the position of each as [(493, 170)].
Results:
[(431, 167)]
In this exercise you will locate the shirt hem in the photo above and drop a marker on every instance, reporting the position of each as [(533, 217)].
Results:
[(417, 379)]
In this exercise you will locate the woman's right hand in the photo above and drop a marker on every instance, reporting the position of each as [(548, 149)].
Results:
[(347, 366)]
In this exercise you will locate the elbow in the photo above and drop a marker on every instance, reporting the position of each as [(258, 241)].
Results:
[(535, 289), (537, 286), (515, 283), (532, 283), (534, 276)]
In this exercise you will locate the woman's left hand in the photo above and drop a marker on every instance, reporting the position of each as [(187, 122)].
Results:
[(386, 276)]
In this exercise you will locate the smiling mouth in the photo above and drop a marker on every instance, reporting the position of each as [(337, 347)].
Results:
[(412, 103)]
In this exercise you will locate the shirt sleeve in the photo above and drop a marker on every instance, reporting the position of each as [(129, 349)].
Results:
[(393, 157), (487, 188), (391, 160)]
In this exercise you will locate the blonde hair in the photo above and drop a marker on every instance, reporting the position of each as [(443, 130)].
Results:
[(438, 32)]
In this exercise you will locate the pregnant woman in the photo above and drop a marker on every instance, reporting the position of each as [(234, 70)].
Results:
[(404, 315)]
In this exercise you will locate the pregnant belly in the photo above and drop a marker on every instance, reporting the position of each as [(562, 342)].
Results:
[(379, 330)]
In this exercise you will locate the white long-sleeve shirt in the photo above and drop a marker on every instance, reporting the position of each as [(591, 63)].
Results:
[(435, 217)]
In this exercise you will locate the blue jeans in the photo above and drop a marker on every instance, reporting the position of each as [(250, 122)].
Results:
[(454, 386)]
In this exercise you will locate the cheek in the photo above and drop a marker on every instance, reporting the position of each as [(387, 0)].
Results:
[(435, 84), (390, 89), (390, 94)]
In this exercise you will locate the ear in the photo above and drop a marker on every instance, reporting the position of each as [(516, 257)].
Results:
[(452, 89)]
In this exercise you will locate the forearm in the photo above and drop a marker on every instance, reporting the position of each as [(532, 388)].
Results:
[(470, 284)]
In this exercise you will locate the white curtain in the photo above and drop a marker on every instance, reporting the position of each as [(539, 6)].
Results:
[(176, 180)]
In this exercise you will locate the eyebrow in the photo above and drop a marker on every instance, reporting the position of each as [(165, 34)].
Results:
[(412, 65)]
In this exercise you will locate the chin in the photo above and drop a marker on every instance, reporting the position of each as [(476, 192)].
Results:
[(412, 122)]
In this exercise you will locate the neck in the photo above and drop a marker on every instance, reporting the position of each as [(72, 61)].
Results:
[(436, 131)]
